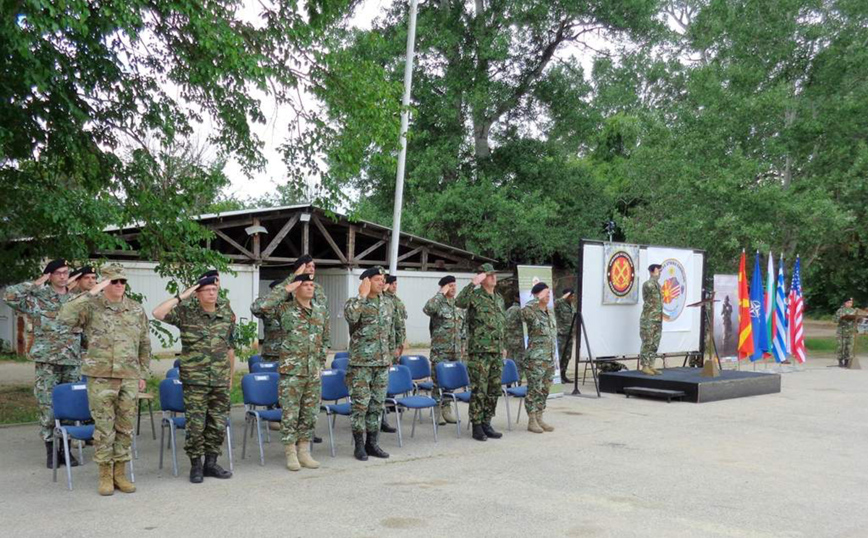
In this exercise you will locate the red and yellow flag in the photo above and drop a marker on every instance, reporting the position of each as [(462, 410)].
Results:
[(745, 336)]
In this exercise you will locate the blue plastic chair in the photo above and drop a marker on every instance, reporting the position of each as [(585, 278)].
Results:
[(342, 355), (263, 367), (173, 373), (509, 379), (401, 383), (177, 363), (253, 360), (340, 363), (172, 406), (452, 376), (334, 389), (259, 390), (420, 370), (69, 403)]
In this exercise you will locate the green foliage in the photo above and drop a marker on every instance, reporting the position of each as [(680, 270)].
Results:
[(246, 333)]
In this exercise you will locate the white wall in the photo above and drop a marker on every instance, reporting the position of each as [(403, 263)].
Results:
[(7, 324)]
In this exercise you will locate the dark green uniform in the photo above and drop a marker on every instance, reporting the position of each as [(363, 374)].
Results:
[(447, 335), (515, 338), (651, 322), (846, 334), (371, 336), (565, 310), (540, 357), (399, 323)]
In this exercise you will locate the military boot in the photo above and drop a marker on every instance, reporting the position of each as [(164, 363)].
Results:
[(479, 433), (438, 414), (384, 426), (106, 483), (359, 449), (213, 470), (61, 458), (564, 378), (532, 424), (120, 478), (490, 432), (542, 424), (196, 469), (656, 371), (372, 448), (49, 454), (292, 458), (304, 457), (647, 370), (446, 412)]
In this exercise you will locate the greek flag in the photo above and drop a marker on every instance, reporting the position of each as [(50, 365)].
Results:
[(781, 339)]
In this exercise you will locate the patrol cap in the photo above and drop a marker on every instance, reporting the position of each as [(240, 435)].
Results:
[(486, 268), (86, 270), (210, 273), (391, 278), (114, 271), (303, 278), (54, 265), (373, 271), (539, 287), (207, 281), (302, 260), (448, 279)]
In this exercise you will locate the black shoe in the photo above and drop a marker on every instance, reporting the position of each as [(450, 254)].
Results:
[(196, 470), (489, 431), (213, 470), (359, 449), (385, 428), (479, 433), (564, 378), (49, 453), (61, 459), (317, 439), (372, 448)]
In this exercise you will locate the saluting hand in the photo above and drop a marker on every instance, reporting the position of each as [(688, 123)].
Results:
[(300, 269), (365, 287), (42, 280), (72, 282), (189, 291), (292, 286), (444, 289), (477, 280), (103, 284)]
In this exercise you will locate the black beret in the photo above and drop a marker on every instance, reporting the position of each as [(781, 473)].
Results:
[(391, 278), (307, 258), (448, 279), (207, 274), (566, 291), (86, 270), (654, 266), (539, 287), (54, 265), (373, 271), (207, 281), (303, 278), (274, 283)]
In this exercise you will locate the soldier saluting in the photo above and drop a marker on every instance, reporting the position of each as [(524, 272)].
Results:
[(447, 328)]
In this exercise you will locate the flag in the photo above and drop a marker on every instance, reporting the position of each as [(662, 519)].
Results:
[(780, 347), (796, 310), (770, 306), (745, 339), (758, 313)]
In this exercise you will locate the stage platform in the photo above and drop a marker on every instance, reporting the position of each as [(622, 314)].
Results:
[(697, 389)]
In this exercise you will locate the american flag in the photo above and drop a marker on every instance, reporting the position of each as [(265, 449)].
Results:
[(797, 309)]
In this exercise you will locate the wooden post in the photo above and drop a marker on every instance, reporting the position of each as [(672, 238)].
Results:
[(425, 258), (351, 244), (305, 238), (256, 243)]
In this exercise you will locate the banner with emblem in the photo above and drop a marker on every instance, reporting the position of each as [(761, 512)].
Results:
[(673, 285), (620, 284)]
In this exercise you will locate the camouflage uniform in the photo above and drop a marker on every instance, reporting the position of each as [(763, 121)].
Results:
[(118, 356), (540, 358), (371, 325), (565, 309), (274, 334), (56, 349), (206, 339), (486, 327), (651, 322), (302, 357), (515, 338), (447, 330), (399, 325), (846, 333)]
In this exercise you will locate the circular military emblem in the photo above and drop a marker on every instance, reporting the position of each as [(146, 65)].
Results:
[(673, 287), (620, 274)]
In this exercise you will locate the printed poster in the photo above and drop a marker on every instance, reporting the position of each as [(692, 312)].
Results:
[(673, 285), (725, 320), (621, 283)]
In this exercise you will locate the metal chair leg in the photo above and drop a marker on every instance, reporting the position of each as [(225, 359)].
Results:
[(151, 412), (434, 423), (66, 458), (132, 470), (330, 421), (135, 447), (508, 417), (416, 414), (54, 456), (162, 438), (398, 420), (259, 435), (229, 445), (457, 416), (244, 437), (173, 441)]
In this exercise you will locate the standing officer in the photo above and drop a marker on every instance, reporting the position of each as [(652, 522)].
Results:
[(56, 349), (515, 336), (846, 318), (398, 333), (565, 313), (302, 356), (273, 332), (447, 323), (486, 321), (651, 321), (116, 365), (207, 365), (370, 319), (540, 358)]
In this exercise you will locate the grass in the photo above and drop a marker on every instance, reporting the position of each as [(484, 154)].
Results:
[(13, 357), (829, 344), (17, 404)]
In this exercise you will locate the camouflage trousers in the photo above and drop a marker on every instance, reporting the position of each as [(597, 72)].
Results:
[(539, 381), (435, 391), (650, 335), (112, 403), (299, 400), (367, 386), (565, 350), (845, 346), (47, 377), (484, 370), (517, 355), (206, 409)]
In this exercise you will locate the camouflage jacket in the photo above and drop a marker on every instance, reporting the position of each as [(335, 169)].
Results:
[(206, 339), (274, 334), (53, 342), (846, 327), (486, 319), (541, 332), (399, 325), (302, 349), (119, 343), (652, 302), (371, 323), (320, 298), (447, 326), (564, 312), (514, 328)]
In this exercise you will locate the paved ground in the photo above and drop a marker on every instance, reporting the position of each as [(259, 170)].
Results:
[(785, 465)]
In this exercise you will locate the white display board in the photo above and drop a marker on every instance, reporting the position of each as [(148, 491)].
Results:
[(613, 329)]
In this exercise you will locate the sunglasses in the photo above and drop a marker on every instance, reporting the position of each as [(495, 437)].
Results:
[(119, 281)]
